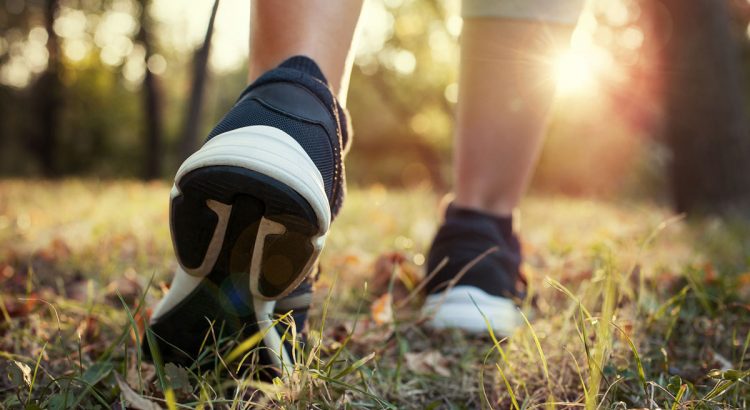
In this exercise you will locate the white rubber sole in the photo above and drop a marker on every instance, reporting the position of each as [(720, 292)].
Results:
[(462, 307), (269, 151)]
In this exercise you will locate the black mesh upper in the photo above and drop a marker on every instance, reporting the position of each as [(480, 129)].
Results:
[(325, 150), (312, 137), (463, 237)]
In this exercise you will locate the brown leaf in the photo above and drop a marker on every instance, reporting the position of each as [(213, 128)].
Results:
[(407, 275), (55, 251), (147, 373), (384, 269), (88, 329), (77, 288), (365, 333), (141, 317), (429, 362), (381, 309), (134, 399), (126, 286), (711, 274)]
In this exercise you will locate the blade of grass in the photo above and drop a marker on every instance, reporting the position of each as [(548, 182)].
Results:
[(159, 367), (325, 313), (134, 328), (699, 290), (560, 287), (720, 388), (354, 366), (123, 336), (580, 376), (639, 364), (379, 400), (4, 309), (496, 345), (603, 342), (36, 368), (538, 346), (678, 398), (243, 347), (336, 354)]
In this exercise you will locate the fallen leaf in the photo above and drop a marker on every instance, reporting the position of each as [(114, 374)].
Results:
[(88, 329), (430, 362), (339, 333), (134, 399), (147, 373), (77, 288), (381, 309), (365, 333), (21, 373), (141, 318), (178, 377), (126, 285), (711, 274), (384, 269), (55, 251), (407, 275)]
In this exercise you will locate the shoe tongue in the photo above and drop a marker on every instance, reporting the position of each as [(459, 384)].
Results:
[(306, 65)]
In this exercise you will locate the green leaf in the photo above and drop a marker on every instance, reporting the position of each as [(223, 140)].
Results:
[(59, 401), (97, 372), (733, 375), (715, 374)]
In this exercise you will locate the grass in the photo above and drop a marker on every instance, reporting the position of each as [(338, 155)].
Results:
[(629, 307)]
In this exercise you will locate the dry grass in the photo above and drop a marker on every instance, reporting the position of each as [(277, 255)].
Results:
[(629, 307)]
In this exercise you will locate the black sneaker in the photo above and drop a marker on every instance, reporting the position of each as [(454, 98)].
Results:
[(485, 252), (250, 211)]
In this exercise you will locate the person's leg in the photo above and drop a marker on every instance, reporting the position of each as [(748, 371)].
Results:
[(320, 29), (250, 210), (505, 90)]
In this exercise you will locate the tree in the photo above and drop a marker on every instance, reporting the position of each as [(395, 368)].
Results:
[(197, 91), (706, 125), (48, 96), (152, 102)]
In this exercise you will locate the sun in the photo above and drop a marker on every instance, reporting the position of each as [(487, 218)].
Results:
[(574, 72)]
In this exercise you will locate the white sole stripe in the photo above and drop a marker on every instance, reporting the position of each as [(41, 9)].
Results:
[(462, 307)]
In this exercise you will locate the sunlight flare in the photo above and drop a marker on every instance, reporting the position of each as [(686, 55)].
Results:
[(574, 72)]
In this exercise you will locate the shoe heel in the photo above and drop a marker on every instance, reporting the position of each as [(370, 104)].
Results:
[(255, 190)]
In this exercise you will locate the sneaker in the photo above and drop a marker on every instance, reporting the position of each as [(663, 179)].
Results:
[(249, 214), (475, 265)]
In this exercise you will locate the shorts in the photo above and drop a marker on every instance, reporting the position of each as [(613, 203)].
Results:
[(548, 11)]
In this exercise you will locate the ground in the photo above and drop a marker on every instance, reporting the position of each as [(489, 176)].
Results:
[(630, 306)]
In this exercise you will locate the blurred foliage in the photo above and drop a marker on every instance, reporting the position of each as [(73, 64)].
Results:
[(402, 94), (101, 121)]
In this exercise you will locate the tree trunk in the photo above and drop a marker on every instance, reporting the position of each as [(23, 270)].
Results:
[(152, 103), (706, 124), (192, 125), (48, 97), (153, 114)]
